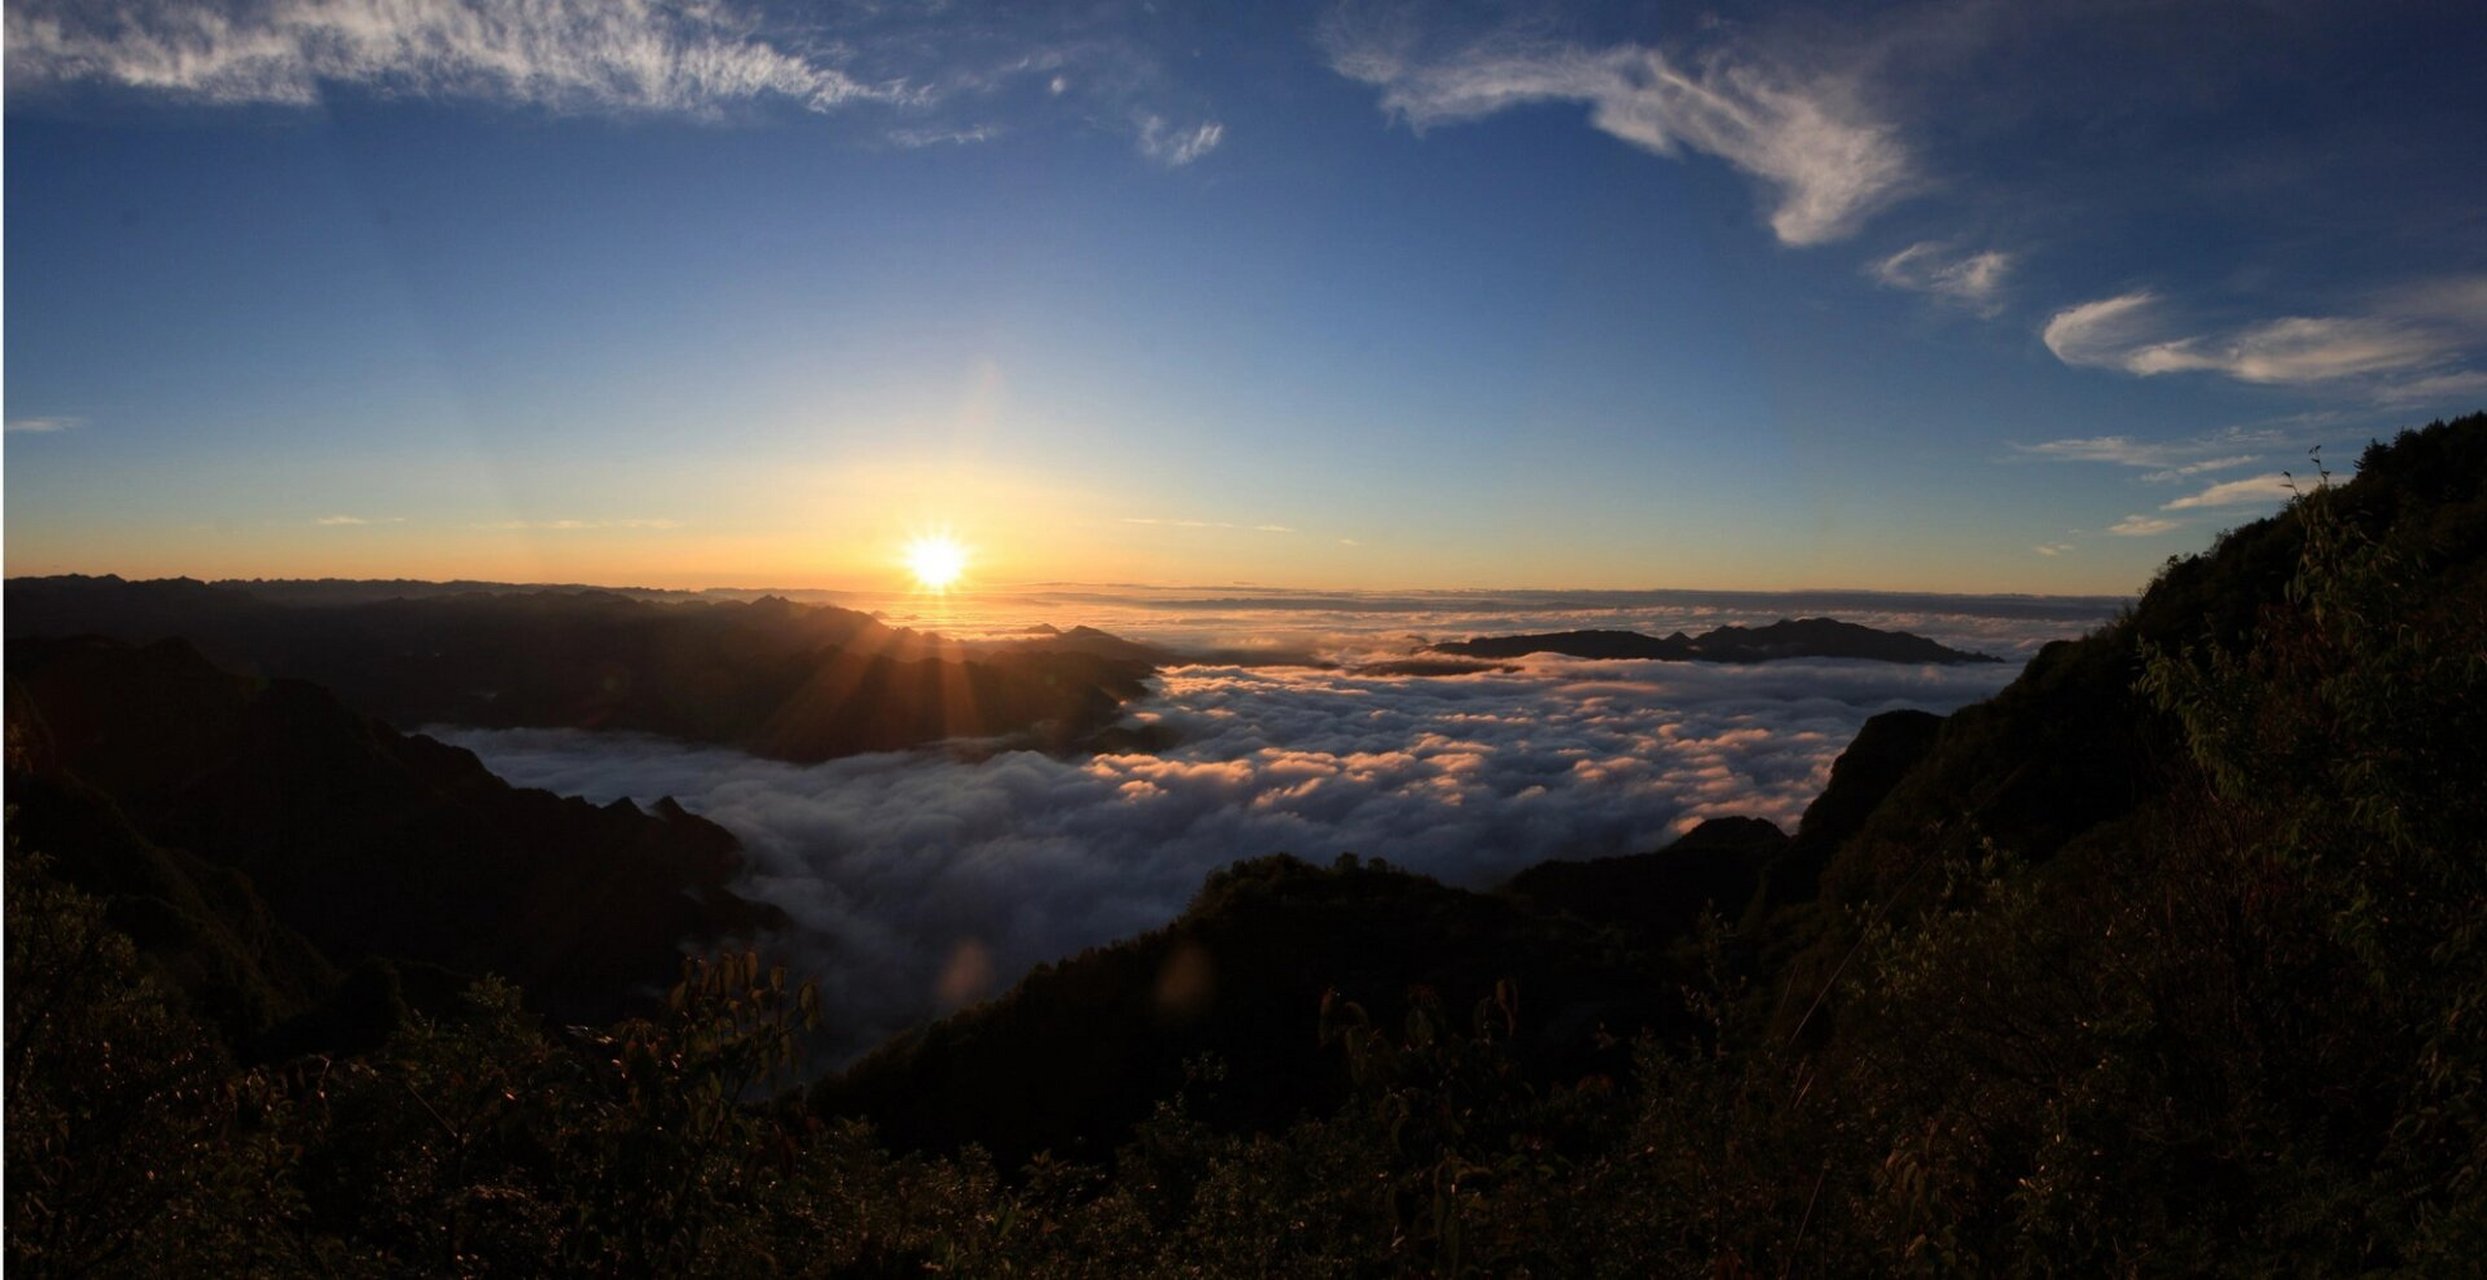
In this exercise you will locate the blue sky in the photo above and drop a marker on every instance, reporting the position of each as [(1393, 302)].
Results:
[(1944, 296)]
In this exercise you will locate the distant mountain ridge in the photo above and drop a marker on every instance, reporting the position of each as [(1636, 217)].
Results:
[(1786, 638), (769, 676)]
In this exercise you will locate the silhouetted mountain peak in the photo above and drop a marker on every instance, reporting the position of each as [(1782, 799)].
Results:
[(1805, 638)]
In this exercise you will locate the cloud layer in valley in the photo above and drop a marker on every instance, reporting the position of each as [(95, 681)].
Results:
[(907, 871)]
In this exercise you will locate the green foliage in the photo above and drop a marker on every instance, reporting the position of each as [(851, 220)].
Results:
[(480, 1145), (2346, 743), (133, 1146)]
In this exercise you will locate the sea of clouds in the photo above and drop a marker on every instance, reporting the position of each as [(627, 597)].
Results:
[(920, 881)]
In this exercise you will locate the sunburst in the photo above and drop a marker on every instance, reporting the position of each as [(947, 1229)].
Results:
[(937, 560)]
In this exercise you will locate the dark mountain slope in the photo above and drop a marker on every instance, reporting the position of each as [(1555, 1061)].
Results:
[(1883, 753), (1660, 896), (200, 924), (2074, 745), (1074, 1055), (239, 805)]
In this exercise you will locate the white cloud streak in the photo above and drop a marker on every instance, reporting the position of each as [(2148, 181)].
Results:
[(1174, 146), (2168, 459), (45, 425), (2197, 468), (2099, 333), (2237, 493), (702, 59), (603, 56), (1827, 160), (1971, 280), (2466, 387), (343, 521), (2295, 349), (2135, 333), (916, 139), (2173, 460)]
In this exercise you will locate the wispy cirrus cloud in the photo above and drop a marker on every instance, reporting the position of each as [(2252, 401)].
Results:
[(2468, 384), (46, 425), (1828, 161), (2237, 493), (2102, 332), (968, 135), (2296, 349), (2165, 459), (2416, 340), (1971, 280), (2197, 468), (344, 521), (618, 56), (1174, 145), (939, 71)]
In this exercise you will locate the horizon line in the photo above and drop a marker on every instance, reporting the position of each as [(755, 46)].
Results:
[(1053, 584)]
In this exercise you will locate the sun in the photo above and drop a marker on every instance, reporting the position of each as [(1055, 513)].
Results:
[(936, 560)]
